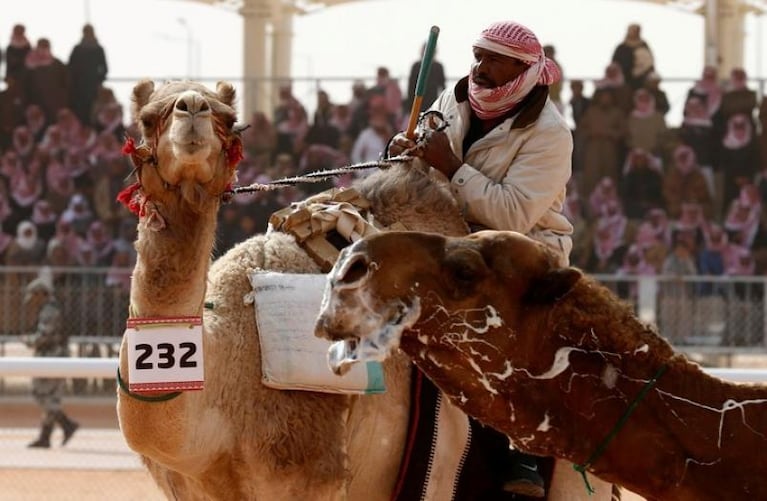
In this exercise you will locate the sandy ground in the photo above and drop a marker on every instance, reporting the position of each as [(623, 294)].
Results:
[(96, 465)]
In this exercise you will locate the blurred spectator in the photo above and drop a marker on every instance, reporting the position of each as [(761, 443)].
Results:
[(685, 183), (634, 264), (708, 90), (634, 57), (66, 241), (641, 187), (35, 121), (27, 249), (604, 128), (676, 307), (763, 135), (737, 98), (603, 194), (614, 82), (697, 131), (434, 84), (653, 238), (555, 89), (652, 84), (645, 124), (578, 105), (16, 53), (738, 156), (291, 123), (260, 139), (12, 104), (109, 118), (712, 256), (47, 80), (609, 244), (371, 142), (322, 131), (119, 273), (44, 218), (388, 87), (87, 71), (78, 214), (100, 241), (742, 221)]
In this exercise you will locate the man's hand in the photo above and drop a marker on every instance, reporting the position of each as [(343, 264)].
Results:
[(436, 151)]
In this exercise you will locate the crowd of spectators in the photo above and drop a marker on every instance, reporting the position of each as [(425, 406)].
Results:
[(646, 196)]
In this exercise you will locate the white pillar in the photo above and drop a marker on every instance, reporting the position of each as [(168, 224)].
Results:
[(256, 74), (725, 34), (282, 46)]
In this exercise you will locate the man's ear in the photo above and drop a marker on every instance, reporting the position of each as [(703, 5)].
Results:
[(553, 285)]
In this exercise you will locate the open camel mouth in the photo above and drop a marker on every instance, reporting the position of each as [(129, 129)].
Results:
[(364, 326), (375, 338)]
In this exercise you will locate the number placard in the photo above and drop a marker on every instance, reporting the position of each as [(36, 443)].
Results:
[(165, 354)]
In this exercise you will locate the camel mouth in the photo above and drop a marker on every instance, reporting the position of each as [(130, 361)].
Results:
[(376, 346)]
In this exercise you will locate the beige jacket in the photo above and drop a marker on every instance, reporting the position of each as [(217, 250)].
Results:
[(514, 177)]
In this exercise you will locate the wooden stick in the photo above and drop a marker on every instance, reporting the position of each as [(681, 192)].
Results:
[(423, 75)]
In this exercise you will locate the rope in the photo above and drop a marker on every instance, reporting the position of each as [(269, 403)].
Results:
[(144, 398), (581, 468)]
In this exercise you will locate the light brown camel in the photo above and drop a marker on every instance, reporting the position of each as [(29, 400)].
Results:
[(550, 357), (238, 439)]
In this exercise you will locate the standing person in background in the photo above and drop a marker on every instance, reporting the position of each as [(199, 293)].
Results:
[(16, 52), (87, 71), (434, 85), (49, 340), (47, 80), (634, 57), (555, 89), (507, 158), (388, 87)]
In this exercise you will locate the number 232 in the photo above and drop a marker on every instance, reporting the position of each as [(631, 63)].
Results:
[(166, 352)]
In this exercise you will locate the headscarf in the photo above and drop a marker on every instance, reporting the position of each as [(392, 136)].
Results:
[(512, 40)]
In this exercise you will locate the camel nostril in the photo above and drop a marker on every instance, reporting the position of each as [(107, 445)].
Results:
[(181, 105), (204, 106)]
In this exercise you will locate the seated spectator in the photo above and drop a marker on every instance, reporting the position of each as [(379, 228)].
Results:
[(645, 124), (652, 84), (27, 249), (78, 214), (371, 142), (737, 99), (634, 264), (45, 218), (641, 187), (579, 103), (389, 88), (708, 90), (742, 221), (712, 257), (604, 193), (609, 244), (738, 156), (697, 131), (742, 264), (653, 245), (676, 307), (34, 119), (603, 128), (109, 119), (614, 82), (260, 139), (684, 182), (322, 131), (100, 241)]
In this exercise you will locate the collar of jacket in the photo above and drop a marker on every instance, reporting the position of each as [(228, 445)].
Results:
[(529, 109)]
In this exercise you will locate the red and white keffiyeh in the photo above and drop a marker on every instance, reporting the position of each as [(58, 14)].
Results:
[(513, 40)]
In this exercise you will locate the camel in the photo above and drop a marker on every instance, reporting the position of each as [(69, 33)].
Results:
[(237, 438), (550, 357)]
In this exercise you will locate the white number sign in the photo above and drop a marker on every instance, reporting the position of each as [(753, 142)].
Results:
[(165, 354)]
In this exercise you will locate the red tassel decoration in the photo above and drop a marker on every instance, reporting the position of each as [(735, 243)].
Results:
[(129, 147), (132, 198), (234, 153)]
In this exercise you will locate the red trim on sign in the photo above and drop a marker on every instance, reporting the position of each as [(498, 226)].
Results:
[(166, 386), (134, 322)]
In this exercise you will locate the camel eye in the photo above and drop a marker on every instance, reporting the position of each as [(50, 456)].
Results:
[(355, 270)]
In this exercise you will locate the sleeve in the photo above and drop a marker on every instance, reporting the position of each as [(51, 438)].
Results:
[(535, 178)]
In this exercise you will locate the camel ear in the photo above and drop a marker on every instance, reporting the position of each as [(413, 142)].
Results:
[(225, 92), (553, 285), (140, 96)]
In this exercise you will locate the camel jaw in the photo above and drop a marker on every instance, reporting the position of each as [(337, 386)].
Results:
[(370, 345)]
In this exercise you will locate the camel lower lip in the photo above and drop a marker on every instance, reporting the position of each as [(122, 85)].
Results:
[(342, 355)]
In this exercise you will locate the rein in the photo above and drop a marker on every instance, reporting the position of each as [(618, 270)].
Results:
[(581, 468)]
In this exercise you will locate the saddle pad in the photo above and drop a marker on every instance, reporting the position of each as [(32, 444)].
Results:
[(292, 357)]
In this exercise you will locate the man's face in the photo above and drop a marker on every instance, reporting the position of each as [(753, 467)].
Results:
[(491, 69)]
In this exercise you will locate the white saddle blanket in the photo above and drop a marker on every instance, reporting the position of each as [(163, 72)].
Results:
[(292, 358)]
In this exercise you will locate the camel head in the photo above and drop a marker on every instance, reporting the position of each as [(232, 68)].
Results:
[(388, 290), (189, 148)]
